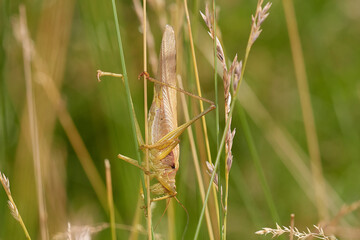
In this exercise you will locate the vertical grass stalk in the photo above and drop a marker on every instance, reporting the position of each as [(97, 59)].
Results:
[(110, 199), (3, 119), (307, 111), (259, 169), (147, 177), (217, 123), (128, 96), (196, 162), (203, 120), (26, 45)]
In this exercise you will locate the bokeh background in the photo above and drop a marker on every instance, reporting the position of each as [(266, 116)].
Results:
[(72, 39)]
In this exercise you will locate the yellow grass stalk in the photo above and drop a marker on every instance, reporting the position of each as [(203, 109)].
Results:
[(147, 177), (26, 45), (308, 115), (196, 162), (110, 199), (203, 120)]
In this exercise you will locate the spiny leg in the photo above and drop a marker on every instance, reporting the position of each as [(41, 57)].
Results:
[(162, 154), (163, 197), (133, 162), (160, 145)]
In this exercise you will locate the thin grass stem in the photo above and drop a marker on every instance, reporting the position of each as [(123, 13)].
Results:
[(259, 169), (3, 120), (217, 123), (110, 199), (134, 235), (171, 221), (196, 162), (34, 133), (128, 94), (203, 120), (213, 175), (308, 114), (3, 95), (249, 203), (292, 223), (217, 120), (147, 177)]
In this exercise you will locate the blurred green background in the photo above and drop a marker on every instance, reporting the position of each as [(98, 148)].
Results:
[(72, 39)]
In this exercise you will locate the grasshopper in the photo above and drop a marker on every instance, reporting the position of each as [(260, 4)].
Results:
[(162, 122)]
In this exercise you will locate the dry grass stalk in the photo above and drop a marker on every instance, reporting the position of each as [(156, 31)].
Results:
[(147, 136), (292, 223), (21, 30), (110, 198), (150, 37), (210, 169), (12, 206), (195, 159), (322, 200), (299, 235), (203, 120), (50, 35), (65, 119)]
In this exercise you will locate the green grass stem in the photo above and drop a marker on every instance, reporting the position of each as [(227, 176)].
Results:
[(259, 169), (217, 119), (128, 95)]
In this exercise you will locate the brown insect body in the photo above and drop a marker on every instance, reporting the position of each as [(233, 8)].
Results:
[(164, 160)]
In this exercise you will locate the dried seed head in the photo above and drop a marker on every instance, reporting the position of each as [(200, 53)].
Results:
[(210, 168), (14, 211), (319, 234), (237, 75), (208, 19), (220, 53), (229, 158), (264, 12), (233, 64), (260, 16), (5, 181), (80, 232)]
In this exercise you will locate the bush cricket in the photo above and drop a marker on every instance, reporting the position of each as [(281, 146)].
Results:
[(162, 122)]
